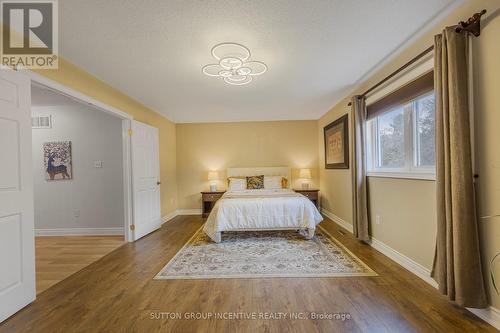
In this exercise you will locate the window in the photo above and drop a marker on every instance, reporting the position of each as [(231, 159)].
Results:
[(425, 126), (401, 143)]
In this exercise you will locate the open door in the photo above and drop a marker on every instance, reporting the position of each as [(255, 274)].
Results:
[(17, 248), (145, 179)]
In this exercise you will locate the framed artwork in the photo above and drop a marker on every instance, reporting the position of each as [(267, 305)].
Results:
[(337, 144), (57, 160)]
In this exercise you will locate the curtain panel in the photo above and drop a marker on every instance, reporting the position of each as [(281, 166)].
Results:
[(457, 263), (359, 181)]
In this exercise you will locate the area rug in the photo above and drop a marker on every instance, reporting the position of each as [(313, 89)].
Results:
[(258, 254)]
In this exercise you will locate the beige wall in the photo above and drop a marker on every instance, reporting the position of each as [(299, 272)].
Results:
[(217, 146), (407, 207), (80, 80), (487, 88), (335, 184), (407, 213)]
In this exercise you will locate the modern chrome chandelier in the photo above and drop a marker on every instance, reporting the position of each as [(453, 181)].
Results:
[(233, 64)]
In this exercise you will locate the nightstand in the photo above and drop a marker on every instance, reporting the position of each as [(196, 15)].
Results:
[(208, 200), (313, 195)]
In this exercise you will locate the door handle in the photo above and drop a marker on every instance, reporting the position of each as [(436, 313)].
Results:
[(158, 183)]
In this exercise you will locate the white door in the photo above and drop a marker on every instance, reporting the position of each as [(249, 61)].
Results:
[(17, 250), (145, 179)]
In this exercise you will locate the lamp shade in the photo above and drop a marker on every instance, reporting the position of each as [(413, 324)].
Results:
[(305, 174), (213, 175)]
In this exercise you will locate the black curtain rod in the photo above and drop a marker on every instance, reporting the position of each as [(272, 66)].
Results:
[(472, 25)]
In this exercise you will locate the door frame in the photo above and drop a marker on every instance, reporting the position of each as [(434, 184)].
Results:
[(42, 81)]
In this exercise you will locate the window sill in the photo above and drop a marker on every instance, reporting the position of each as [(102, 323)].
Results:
[(403, 175)]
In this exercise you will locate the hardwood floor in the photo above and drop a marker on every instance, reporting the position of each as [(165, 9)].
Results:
[(118, 294), (59, 257)]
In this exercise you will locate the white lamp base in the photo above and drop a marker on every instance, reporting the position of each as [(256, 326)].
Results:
[(213, 187), (305, 186)]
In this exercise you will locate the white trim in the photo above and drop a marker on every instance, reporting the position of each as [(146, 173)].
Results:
[(416, 70), (401, 259), (403, 175), (49, 84), (410, 170), (338, 220), (169, 217), (190, 211), (179, 212), (411, 265), (74, 95), (127, 179), (79, 232), (490, 315)]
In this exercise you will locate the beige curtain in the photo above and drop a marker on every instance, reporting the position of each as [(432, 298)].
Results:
[(457, 262), (360, 209)]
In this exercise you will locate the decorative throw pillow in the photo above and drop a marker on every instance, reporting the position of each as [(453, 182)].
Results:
[(237, 183), (255, 182), (273, 182)]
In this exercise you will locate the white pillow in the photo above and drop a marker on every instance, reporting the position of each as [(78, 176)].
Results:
[(237, 184), (272, 182)]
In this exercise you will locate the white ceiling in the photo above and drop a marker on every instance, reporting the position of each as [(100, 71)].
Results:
[(316, 51)]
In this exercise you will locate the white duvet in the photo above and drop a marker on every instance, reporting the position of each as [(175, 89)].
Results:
[(261, 210)]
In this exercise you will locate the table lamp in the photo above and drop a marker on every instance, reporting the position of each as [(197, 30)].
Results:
[(306, 175), (213, 176)]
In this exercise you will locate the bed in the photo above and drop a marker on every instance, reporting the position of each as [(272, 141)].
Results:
[(262, 209)]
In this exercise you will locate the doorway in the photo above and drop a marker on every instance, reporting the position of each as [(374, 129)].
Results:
[(77, 182), (17, 250)]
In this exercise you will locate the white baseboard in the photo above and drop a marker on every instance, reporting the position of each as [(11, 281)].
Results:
[(79, 232), (178, 212), (168, 217), (490, 315), (411, 265), (338, 220), (194, 211), (388, 251)]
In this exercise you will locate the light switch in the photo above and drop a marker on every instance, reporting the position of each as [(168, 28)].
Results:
[(97, 164)]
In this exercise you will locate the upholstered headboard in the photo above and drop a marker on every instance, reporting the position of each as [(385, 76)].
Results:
[(257, 171)]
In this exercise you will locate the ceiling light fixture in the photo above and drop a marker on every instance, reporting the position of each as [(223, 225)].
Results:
[(233, 64)]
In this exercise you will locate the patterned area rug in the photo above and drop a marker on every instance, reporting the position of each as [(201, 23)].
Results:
[(263, 254)]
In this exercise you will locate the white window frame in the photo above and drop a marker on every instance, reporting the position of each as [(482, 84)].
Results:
[(410, 169)]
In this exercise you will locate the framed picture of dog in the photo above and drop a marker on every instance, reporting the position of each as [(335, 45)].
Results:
[(57, 160)]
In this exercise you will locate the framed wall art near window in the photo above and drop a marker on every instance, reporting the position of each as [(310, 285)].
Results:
[(337, 144)]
